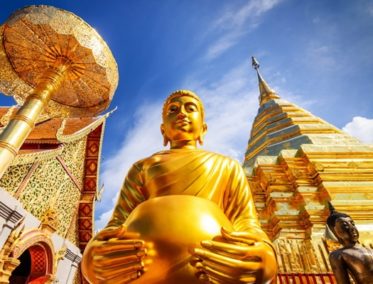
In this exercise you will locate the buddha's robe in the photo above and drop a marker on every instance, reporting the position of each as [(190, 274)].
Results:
[(190, 172)]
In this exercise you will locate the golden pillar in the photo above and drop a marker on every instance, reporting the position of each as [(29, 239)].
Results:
[(18, 129)]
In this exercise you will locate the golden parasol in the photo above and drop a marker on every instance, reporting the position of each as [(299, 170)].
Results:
[(51, 60)]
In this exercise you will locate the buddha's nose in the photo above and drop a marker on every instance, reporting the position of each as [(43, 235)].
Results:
[(181, 114)]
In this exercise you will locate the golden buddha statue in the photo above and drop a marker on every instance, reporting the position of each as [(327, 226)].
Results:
[(183, 215)]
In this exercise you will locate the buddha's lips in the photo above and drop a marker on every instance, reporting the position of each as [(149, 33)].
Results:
[(182, 121)]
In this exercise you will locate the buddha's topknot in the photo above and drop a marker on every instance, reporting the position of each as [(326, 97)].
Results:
[(333, 216)]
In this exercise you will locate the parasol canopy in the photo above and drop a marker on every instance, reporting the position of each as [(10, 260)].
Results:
[(35, 38)]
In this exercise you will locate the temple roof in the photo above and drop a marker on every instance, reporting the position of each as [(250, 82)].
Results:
[(280, 125), (51, 130)]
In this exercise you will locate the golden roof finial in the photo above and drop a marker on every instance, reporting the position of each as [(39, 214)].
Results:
[(266, 92)]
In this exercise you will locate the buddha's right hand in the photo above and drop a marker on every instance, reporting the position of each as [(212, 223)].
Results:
[(114, 255)]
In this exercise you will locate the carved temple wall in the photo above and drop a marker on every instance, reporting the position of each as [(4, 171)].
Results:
[(41, 184), (47, 200)]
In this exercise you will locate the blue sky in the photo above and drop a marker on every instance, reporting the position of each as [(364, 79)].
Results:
[(317, 54)]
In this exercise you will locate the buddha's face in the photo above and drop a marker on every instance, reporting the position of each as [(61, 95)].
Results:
[(346, 231), (183, 119)]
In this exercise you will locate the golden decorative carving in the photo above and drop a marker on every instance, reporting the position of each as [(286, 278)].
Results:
[(10, 112), (14, 176), (49, 220), (59, 255), (49, 181), (38, 241), (29, 238), (40, 156), (72, 233), (8, 262), (26, 180), (71, 175), (51, 184)]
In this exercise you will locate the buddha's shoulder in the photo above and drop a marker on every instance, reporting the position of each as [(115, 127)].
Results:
[(154, 158), (219, 157), (342, 253), (335, 256)]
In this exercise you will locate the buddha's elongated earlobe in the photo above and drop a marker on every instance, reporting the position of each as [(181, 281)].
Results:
[(165, 140), (202, 135)]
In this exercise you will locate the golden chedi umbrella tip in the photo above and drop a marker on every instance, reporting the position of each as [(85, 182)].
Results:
[(266, 92)]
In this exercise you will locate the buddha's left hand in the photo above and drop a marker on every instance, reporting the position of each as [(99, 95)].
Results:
[(235, 257)]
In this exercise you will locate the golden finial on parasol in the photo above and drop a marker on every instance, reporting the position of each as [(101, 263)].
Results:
[(52, 61)]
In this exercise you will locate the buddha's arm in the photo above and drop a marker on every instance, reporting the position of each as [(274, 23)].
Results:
[(115, 255), (239, 205), (131, 195), (339, 267), (245, 255)]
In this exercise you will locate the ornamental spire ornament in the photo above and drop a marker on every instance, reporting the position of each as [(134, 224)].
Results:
[(266, 92)]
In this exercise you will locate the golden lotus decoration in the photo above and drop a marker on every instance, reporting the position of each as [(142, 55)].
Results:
[(51, 61)]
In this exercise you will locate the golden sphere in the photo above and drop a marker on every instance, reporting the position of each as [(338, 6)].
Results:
[(172, 226)]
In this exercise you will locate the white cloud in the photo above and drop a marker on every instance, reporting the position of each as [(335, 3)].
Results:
[(230, 109), (321, 56), (233, 24), (369, 8), (316, 20), (237, 18), (221, 45), (361, 128), (103, 219)]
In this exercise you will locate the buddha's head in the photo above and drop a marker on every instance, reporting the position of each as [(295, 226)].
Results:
[(183, 120), (343, 227)]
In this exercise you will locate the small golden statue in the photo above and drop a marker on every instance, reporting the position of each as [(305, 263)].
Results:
[(183, 215), (352, 258)]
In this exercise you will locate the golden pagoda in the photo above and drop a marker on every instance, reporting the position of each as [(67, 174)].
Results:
[(296, 162)]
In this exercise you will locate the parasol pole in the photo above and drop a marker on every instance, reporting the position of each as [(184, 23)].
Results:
[(20, 126)]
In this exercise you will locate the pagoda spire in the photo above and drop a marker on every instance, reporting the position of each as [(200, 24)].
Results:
[(281, 125), (266, 92)]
